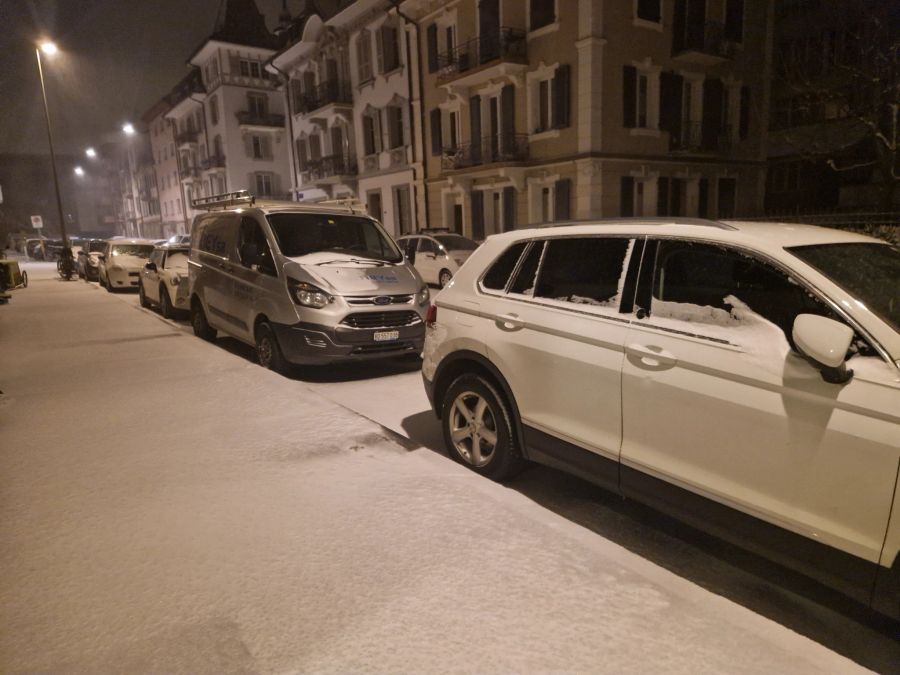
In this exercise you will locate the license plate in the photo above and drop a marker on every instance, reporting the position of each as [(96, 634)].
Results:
[(386, 335)]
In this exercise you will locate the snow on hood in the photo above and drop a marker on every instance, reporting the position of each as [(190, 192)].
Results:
[(127, 261), (343, 275)]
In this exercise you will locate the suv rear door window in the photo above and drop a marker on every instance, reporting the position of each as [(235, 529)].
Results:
[(584, 270), (527, 274), (503, 267)]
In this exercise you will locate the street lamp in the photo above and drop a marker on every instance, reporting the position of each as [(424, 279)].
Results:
[(79, 171), (90, 152), (49, 48), (128, 129)]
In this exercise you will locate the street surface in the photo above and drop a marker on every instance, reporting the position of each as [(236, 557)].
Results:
[(166, 505)]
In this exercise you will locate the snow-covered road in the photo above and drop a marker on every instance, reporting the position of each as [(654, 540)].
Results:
[(168, 506)]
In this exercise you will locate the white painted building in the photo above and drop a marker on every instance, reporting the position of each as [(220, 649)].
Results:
[(354, 111), (173, 217)]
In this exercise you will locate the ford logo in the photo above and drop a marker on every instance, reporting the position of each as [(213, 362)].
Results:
[(382, 300)]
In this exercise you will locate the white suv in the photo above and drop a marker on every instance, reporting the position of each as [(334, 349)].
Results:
[(743, 376)]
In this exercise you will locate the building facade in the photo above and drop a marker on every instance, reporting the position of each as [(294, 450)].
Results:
[(550, 110)]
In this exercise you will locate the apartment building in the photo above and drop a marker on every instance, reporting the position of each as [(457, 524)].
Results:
[(549, 110), (173, 217), (354, 109)]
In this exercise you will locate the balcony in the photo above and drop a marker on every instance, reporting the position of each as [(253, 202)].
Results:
[(331, 169), (325, 93), (213, 162), (703, 43), (507, 45), (189, 173), (186, 138), (491, 150), (254, 119)]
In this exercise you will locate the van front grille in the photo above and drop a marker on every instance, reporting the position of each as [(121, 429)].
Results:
[(381, 319), (370, 300)]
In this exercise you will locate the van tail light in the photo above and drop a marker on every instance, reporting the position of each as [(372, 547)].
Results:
[(431, 315)]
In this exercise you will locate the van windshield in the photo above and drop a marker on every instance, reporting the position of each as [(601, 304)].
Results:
[(299, 234)]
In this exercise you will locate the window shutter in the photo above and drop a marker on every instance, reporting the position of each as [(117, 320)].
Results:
[(248, 145), (561, 97), (626, 196), (509, 209), (508, 112), (662, 196), (677, 188), (379, 133), (431, 38), (629, 96), (744, 123), (436, 141), (379, 48), (713, 92), (670, 95), (475, 128), (477, 215), (562, 207), (301, 154), (703, 199), (266, 148), (734, 20)]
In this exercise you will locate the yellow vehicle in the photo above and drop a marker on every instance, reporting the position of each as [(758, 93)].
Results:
[(11, 277)]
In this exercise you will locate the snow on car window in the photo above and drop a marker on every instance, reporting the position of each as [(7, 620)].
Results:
[(137, 250), (177, 260)]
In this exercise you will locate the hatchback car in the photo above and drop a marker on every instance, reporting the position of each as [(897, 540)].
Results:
[(437, 255), (742, 376), (88, 259), (121, 263), (164, 280)]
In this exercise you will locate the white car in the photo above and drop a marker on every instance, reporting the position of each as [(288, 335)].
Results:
[(165, 280), (437, 256), (742, 376), (122, 261)]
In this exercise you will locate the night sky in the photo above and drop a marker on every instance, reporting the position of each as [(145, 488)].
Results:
[(117, 58)]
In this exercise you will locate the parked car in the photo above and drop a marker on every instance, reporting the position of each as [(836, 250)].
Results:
[(303, 284), (179, 239), (121, 263), (34, 248), (437, 255), (88, 259), (742, 376), (164, 279)]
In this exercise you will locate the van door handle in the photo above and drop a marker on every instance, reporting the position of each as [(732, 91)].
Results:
[(510, 322), (651, 356)]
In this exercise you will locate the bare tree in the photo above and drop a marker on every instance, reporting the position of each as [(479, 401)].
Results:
[(844, 81)]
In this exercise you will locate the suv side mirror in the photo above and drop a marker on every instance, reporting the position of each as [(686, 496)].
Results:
[(824, 343), (150, 267)]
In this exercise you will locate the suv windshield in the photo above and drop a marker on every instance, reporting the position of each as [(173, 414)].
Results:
[(870, 272), (454, 242), (137, 250), (300, 234)]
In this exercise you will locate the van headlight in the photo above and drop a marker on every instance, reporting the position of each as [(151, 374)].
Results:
[(423, 295), (308, 295)]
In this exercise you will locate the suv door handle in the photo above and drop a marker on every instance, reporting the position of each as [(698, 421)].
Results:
[(651, 355), (510, 322)]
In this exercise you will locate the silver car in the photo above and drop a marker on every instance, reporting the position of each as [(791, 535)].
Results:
[(303, 284)]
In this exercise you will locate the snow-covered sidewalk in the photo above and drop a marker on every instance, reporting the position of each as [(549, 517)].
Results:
[(166, 506)]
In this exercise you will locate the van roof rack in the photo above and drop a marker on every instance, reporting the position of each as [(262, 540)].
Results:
[(224, 200)]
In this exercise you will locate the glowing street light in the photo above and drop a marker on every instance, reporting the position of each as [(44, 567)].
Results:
[(79, 171), (49, 48), (90, 152), (128, 128)]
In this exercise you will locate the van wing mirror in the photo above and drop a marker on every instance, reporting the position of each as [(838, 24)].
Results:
[(151, 266), (824, 343)]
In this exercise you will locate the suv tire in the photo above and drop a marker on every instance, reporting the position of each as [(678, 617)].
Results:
[(444, 277), (268, 352), (165, 305), (142, 296), (478, 428), (201, 326)]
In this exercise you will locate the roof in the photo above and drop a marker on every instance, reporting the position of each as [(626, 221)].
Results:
[(239, 22)]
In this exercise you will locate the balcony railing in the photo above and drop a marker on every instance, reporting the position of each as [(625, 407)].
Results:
[(260, 119), (689, 137), (189, 136), (507, 44), (707, 38), (325, 93), (331, 166), (213, 162), (491, 149)]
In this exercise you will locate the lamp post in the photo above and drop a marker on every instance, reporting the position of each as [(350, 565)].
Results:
[(50, 49)]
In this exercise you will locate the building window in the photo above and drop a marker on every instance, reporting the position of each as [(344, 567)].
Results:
[(388, 48), (394, 114), (364, 56), (217, 147), (259, 146), (264, 184), (301, 154), (402, 213), (371, 132), (550, 101), (257, 104), (214, 109), (541, 13), (649, 10), (640, 97)]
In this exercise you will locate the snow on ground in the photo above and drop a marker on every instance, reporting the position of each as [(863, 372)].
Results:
[(168, 506)]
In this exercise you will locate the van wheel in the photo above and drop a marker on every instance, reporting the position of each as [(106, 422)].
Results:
[(165, 305), (444, 278), (201, 326), (142, 297), (478, 428), (267, 350)]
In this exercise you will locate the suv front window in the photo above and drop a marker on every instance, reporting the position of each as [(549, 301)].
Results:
[(300, 234)]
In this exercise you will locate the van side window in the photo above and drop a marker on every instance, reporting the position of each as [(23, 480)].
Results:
[(216, 236), (251, 239), (503, 267), (584, 271)]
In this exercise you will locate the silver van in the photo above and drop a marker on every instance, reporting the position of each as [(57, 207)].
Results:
[(303, 284)]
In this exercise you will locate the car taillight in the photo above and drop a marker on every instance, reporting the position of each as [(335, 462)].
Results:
[(431, 315)]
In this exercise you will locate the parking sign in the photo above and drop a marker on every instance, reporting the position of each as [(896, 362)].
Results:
[(37, 222)]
